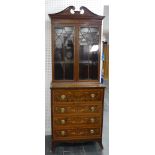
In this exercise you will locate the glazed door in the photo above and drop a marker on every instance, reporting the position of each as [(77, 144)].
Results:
[(88, 53), (64, 52)]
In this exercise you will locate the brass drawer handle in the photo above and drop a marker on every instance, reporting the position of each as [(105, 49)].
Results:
[(62, 110), (92, 95), (92, 131), (63, 121), (92, 109), (63, 97), (92, 120), (63, 133)]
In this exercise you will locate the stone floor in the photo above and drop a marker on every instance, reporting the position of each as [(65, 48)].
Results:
[(89, 148)]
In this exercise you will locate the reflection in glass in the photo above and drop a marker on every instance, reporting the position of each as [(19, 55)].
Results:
[(68, 51), (84, 52), (93, 57), (58, 54), (58, 71), (94, 48), (83, 71), (93, 71), (69, 71)]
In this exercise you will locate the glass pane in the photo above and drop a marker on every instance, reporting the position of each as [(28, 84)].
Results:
[(58, 71), (88, 52), (93, 71), (64, 53), (84, 52), (58, 54), (69, 71), (83, 71), (69, 51), (93, 56)]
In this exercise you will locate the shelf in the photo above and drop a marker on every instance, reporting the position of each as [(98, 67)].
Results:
[(63, 62), (88, 62)]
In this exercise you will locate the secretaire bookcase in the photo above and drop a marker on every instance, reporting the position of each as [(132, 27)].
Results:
[(77, 97)]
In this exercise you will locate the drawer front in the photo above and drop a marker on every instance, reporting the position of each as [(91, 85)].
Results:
[(77, 95), (64, 109), (92, 108), (77, 133), (74, 109), (76, 120)]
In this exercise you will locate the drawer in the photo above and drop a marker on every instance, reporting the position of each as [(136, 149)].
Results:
[(73, 109), (64, 109), (76, 120), (77, 95), (91, 108), (77, 133)]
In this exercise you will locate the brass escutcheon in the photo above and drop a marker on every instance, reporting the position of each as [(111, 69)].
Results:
[(62, 110), (92, 95), (62, 133), (92, 131), (92, 109), (92, 120), (63, 121), (63, 97)]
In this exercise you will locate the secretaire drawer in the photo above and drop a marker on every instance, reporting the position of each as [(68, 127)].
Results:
[(77, 95)]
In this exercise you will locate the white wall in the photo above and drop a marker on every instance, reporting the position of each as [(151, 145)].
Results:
[(53, 6)]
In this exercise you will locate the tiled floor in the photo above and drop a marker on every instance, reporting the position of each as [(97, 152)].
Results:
[(89, 148)]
